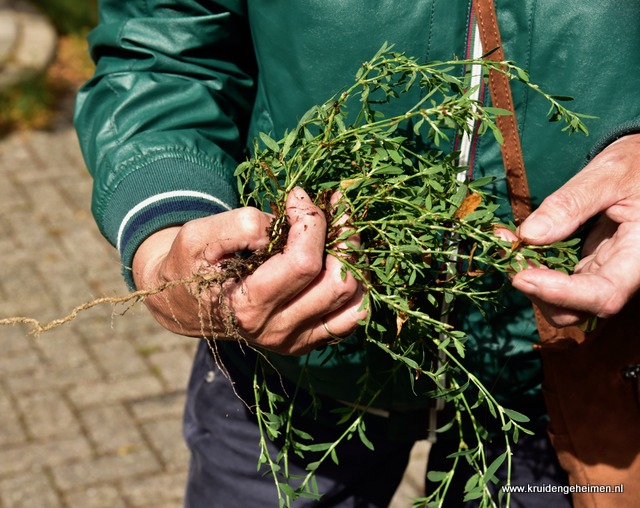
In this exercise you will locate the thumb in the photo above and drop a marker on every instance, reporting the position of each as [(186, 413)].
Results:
[(562, 212), (610, 179)]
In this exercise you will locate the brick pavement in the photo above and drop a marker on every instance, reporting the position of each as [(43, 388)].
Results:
[(90, 413)]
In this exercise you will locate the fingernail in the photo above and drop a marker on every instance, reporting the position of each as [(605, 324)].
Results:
[(536, 227)]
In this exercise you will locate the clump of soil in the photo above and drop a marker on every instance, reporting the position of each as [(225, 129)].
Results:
[(242, 265)]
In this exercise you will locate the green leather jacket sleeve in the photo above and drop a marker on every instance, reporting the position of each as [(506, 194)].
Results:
[(162, 123)]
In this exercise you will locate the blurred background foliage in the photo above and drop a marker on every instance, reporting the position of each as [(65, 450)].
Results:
[(37, 102), (70, 17)]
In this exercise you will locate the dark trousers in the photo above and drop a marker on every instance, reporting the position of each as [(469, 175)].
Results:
[(223, 437)]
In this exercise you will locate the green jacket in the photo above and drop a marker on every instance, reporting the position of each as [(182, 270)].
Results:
[(182, 87)]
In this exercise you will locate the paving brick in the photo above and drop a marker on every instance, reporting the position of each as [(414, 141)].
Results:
[(63, 347), (111, 429), (77, 192), (29, 491), (96, 326), (120, 359), (48, 377), (66, 282), (36, 455), (14, 340), (96, 497), (11, 197), (20, 289), (81, 241), (104, 278), (50, 155), (14, 157), (166, 438), (158, 490), (174, 366), (48, 204), (105, 469), (47, 414), (90, 413), (11, 431), (64, 362), (151, 336), (11, 364), (68, 139), (32, 233), (161, 406), (108, 392)]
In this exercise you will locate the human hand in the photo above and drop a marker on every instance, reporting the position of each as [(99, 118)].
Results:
[(288, 305), (609, 273)]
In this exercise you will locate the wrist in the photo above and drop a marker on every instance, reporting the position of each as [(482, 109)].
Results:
[(148, 259)]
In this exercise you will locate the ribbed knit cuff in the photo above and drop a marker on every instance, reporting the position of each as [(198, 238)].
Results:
[(625, 129), (166, 192)]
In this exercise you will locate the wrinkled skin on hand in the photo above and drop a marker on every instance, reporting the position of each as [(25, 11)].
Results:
[(608, 275), (283, 306)]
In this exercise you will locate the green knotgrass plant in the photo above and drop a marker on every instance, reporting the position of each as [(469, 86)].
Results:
[(427, 241)]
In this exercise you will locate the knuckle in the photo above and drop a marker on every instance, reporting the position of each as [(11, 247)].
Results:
[(190, 235), (360, 313), (251, 320), (612, 305), (629, 231), (249, 222), (344, 289), (305, 265), (277, 343)]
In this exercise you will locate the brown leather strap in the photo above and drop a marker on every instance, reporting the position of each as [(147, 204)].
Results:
[(511, 150), (501, 98)]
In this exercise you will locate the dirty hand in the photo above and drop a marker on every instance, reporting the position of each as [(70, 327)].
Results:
[(609, 273), (296, 301)]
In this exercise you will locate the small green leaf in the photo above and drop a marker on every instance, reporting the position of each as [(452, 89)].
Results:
[(515, 415), (242, 168), (522, 74), (270, 143), (472, 482), (474, 494), (437, 476), (288, 142), (489, 474), (459, 348), (363, 437)]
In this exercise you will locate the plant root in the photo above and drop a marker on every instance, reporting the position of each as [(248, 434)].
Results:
[(133, 298)]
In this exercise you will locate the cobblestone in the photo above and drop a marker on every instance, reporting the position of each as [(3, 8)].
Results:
[(46, 455), (96, 497), (111, 429), (106, 469), (90, 413), (29, 491), (169, 487)]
